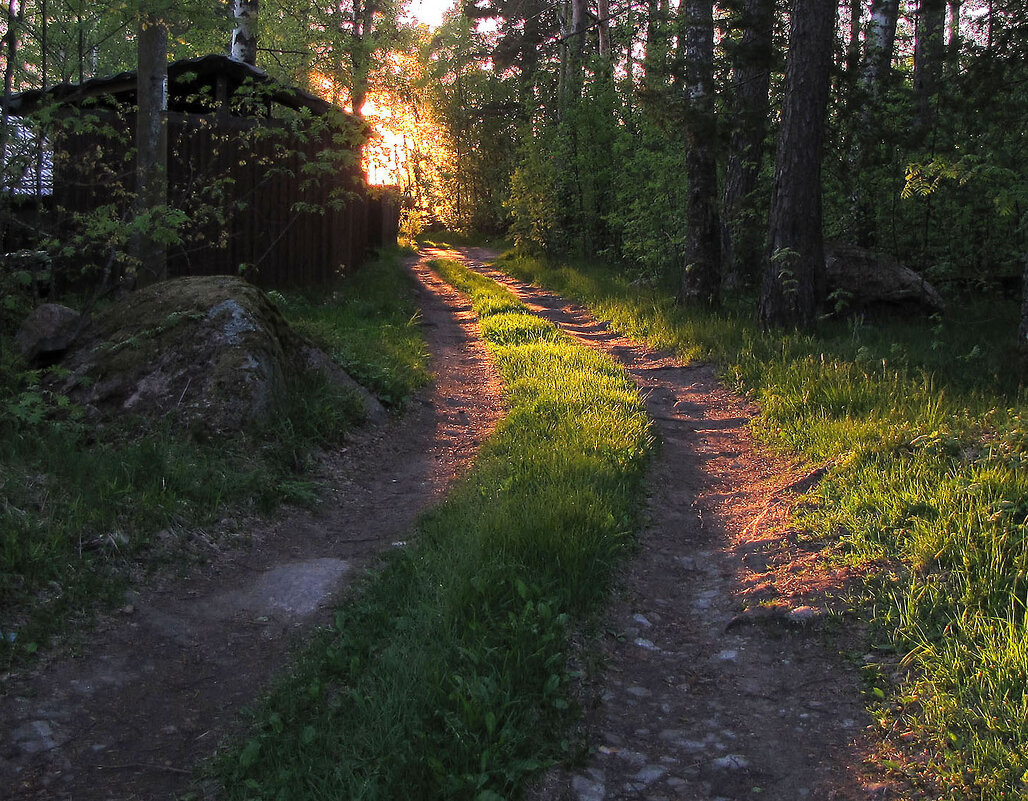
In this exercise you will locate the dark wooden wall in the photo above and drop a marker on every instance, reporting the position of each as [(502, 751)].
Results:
[(254, 209)]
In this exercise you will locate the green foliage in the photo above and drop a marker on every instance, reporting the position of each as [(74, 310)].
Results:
[(82, 504), (446, 675)]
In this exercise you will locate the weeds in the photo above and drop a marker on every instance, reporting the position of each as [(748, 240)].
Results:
[(80, 504), (927, 430), (445, 676)]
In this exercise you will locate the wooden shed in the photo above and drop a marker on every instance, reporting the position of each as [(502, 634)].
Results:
[(266, 175)]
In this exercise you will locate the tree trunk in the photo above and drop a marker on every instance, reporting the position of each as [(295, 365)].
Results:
[(742, 230), (954, 42), (929, 53), (574, 50), (656, 55), (701, 277), (360, 49), (853, 43), (151, 144), (1022, 331), (15, 17), (244, 36), (794, 268), (880, 43), (878, 50), (603, 28)]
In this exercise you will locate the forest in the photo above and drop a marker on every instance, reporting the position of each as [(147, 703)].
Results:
[(689, 171)]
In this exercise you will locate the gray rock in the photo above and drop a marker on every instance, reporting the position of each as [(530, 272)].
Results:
[(865, 281), (586, 789), (650, 774), (731, 762), (47, 333), (212, 353)]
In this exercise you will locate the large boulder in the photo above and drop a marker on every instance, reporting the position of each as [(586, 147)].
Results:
[(211, 352), (862, 280), (47, 333)]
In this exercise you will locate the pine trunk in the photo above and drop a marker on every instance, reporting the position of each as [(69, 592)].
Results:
[(151, 144), (742, 240), (793, 286), (1022, 331), (929, 53), (701, 277)]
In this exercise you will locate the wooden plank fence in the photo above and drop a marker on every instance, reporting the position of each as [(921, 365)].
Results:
[(254, 208)]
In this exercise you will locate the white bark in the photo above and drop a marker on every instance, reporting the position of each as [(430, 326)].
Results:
[(244, 36)]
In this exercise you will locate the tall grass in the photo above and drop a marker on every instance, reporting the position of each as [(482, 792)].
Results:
[(446, 674), (80, 504), (926, 427)]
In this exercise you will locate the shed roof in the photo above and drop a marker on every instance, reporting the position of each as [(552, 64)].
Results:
[(186, 79)]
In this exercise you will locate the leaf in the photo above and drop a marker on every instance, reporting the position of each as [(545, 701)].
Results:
[(249, 753)]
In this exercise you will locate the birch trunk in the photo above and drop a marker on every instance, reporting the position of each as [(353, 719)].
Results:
[(244, 35), (880, 43)]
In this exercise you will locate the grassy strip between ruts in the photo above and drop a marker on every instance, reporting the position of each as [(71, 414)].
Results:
[(80, 505), (925, 424), (445, 675)]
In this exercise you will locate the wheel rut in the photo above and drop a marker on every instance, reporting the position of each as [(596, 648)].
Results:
[(724, 672)]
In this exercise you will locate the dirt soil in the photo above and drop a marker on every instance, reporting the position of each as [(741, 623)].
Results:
[(730, 668), (722, 674), (161, 682)]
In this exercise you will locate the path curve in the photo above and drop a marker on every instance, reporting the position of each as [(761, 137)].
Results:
[(720, 680), (160, 684)]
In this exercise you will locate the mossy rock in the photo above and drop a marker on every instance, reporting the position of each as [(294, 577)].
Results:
[(211, 352)]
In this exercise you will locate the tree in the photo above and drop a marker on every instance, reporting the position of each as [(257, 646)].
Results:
[(151, 145), (929, 54), (701, 276), (742, 238), (243, 46), (793, 285)]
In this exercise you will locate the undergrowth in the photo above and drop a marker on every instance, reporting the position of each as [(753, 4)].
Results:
[(84, 506), (445, 675), (925, 426)]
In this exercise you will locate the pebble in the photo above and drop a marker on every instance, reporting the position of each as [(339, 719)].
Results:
[(642, 621), (647, 644), (731, 762), (587, 789), (639, 692), (34, 736), (728, 655), (650, 774)]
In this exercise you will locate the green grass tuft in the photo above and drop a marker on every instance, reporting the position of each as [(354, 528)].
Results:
[(446, 675)]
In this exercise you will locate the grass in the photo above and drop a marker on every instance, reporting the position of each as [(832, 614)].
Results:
[(925, 424), (445, 675), (80, 505)]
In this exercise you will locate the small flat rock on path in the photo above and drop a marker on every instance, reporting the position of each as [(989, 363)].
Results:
[(159, 684), (698, 701)]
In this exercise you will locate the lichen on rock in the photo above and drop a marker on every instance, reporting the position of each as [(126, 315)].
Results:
[(212, 353)]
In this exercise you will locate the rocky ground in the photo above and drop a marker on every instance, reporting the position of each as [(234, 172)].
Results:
[(717, 671)]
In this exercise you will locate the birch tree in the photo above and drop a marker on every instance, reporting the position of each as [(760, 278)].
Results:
[(243, 46)]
